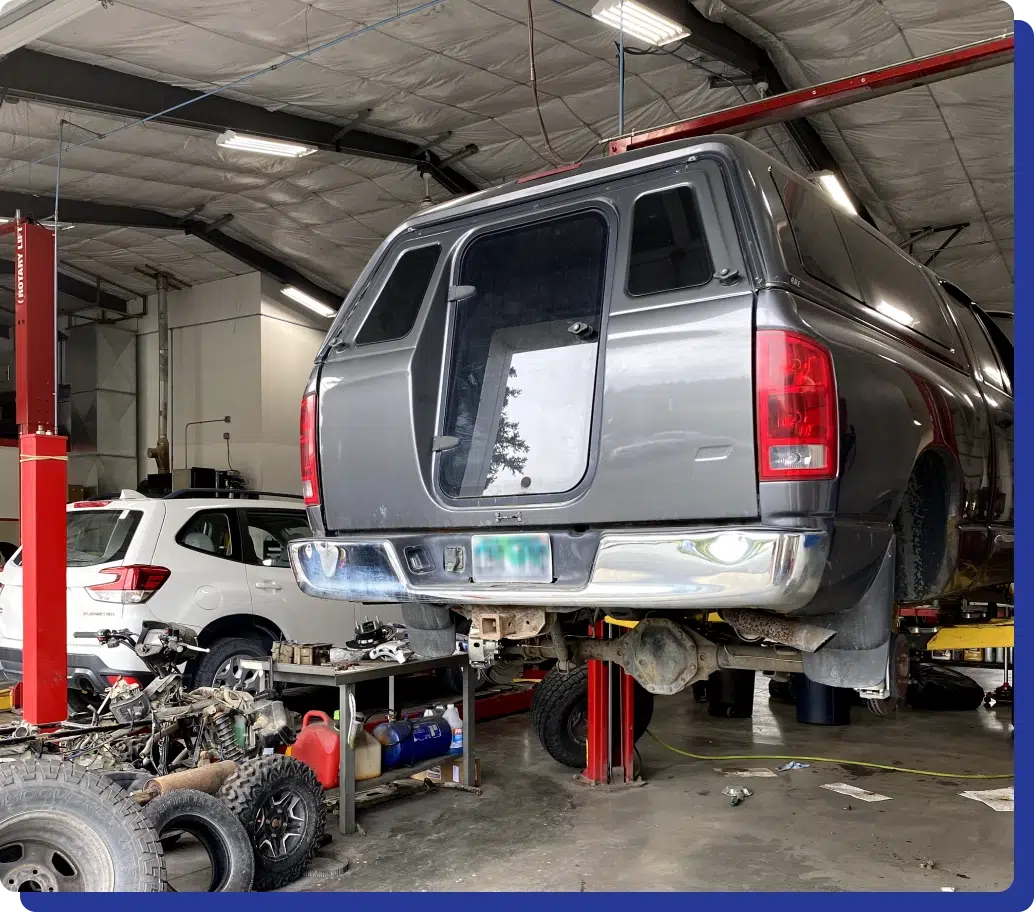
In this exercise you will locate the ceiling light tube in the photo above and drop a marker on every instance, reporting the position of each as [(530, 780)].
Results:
[(22, 21), (835, 188), (245, 143), (300, 297), (639, 21)]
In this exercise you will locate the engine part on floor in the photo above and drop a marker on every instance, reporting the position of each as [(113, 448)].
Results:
[(279, 801), (730, 693), (208, 778), (215, 827), (820, 704), (66, 829), (560, 715), (865, 764), (666, 658), (318, 746), (760, 625), (938, 688)]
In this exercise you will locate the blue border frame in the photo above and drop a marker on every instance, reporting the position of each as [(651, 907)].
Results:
[(1019, 897)]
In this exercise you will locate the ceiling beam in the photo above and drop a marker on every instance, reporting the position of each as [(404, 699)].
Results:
[(724, 44), (46, 78), (83, 212), (77, 288)]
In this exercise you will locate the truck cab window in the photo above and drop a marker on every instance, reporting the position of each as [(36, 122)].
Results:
[(669, 247)]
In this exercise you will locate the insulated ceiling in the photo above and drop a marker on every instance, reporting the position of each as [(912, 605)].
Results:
[(457, 73)]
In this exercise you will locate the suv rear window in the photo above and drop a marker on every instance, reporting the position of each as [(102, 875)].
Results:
[(99, 536), (395, 311)]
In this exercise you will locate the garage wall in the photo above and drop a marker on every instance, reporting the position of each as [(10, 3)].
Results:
[(8, 493), (234, 350)]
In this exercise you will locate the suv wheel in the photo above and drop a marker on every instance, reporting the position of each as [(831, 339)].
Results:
[(220, 666)]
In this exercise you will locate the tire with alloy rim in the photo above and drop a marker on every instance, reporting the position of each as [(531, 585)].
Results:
[(560, 714), (64, 829), (220, 666), (279, 801), (214, 825)]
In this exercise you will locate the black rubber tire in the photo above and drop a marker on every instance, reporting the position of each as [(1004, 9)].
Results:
[(93, 836), (557, 696), (224, 649), (247, 792), (214, 825), (782, 692)]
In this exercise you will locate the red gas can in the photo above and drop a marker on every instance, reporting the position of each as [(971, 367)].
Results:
[(318, 746)]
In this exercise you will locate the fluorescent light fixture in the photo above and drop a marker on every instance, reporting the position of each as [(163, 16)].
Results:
[(896, 314), (22, 21), (280, 148), (309, 301), (832, 185), (639, 21)]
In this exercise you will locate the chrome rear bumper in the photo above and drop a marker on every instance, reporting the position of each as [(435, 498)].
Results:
[(747, 567)]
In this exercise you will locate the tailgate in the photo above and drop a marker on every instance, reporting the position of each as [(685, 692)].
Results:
[(562, 378)]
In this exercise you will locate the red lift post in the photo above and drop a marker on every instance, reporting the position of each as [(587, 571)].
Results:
[(43, 464), (777, 109)]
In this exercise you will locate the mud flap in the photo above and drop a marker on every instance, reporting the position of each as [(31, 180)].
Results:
[(857, 656)]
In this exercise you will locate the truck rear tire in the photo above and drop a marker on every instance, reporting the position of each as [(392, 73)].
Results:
[(560, 714)]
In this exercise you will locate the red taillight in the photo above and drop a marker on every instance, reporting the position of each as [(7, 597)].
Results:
[(310, 478), (797, 408), (85, 504), (131, 585)]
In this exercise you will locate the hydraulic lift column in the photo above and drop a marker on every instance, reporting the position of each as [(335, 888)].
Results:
[(43, 464)]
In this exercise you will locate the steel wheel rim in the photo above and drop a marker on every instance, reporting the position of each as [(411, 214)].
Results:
[(42, 855), (578, 725), (231, 674), (279, 824)]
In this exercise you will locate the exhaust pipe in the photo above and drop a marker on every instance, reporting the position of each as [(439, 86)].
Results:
[(208, 778), (757, 625)]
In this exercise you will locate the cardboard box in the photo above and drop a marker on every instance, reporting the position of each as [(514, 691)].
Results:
[(452, 771)]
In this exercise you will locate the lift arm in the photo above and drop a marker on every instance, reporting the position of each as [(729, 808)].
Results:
[(829, 95)]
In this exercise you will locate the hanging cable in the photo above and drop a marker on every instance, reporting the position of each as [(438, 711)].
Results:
[(291, 58)]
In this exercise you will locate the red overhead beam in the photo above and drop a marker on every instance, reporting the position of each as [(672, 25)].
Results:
[(829, 95)]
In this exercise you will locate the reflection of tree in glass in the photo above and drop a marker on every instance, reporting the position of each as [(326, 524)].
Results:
[(509, 445)]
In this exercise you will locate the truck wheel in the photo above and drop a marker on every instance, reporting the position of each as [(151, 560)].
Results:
[(64, 829), (560, 714), (212, 824), (279, 801), (220, 666)]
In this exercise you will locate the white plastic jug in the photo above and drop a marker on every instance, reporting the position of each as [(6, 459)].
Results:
[(452, 716)]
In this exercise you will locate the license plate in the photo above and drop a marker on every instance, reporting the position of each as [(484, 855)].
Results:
[(519, 558)]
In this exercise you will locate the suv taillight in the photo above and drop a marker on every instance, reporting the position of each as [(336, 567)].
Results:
[(132, 585), (797, 408), (310, 477)]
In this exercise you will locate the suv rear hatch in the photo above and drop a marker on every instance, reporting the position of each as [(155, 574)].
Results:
[(582, 359), (102, 542)]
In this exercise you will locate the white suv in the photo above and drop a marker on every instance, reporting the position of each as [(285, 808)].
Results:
[(216, 564)]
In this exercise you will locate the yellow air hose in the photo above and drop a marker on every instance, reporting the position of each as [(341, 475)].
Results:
[(837, 761)]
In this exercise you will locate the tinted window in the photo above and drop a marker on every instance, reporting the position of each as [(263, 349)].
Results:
[(395, 310), (99, 536), (819, 242), (894, 285), (669, 249), (269, 532), (1006, 323), (210, 533), (1002, 343), (983, 354), (523, 370)]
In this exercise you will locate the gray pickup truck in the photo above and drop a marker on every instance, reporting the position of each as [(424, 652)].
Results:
[(664, 386)]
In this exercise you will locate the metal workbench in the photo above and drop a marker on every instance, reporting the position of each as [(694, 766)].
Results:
[(345, 681)]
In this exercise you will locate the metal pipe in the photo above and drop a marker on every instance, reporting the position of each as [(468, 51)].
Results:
[(208, 778), (160, 451)]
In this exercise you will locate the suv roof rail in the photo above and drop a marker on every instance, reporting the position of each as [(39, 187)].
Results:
[(230, 493)]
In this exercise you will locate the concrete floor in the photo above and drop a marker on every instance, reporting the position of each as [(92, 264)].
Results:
[(535, 829)]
